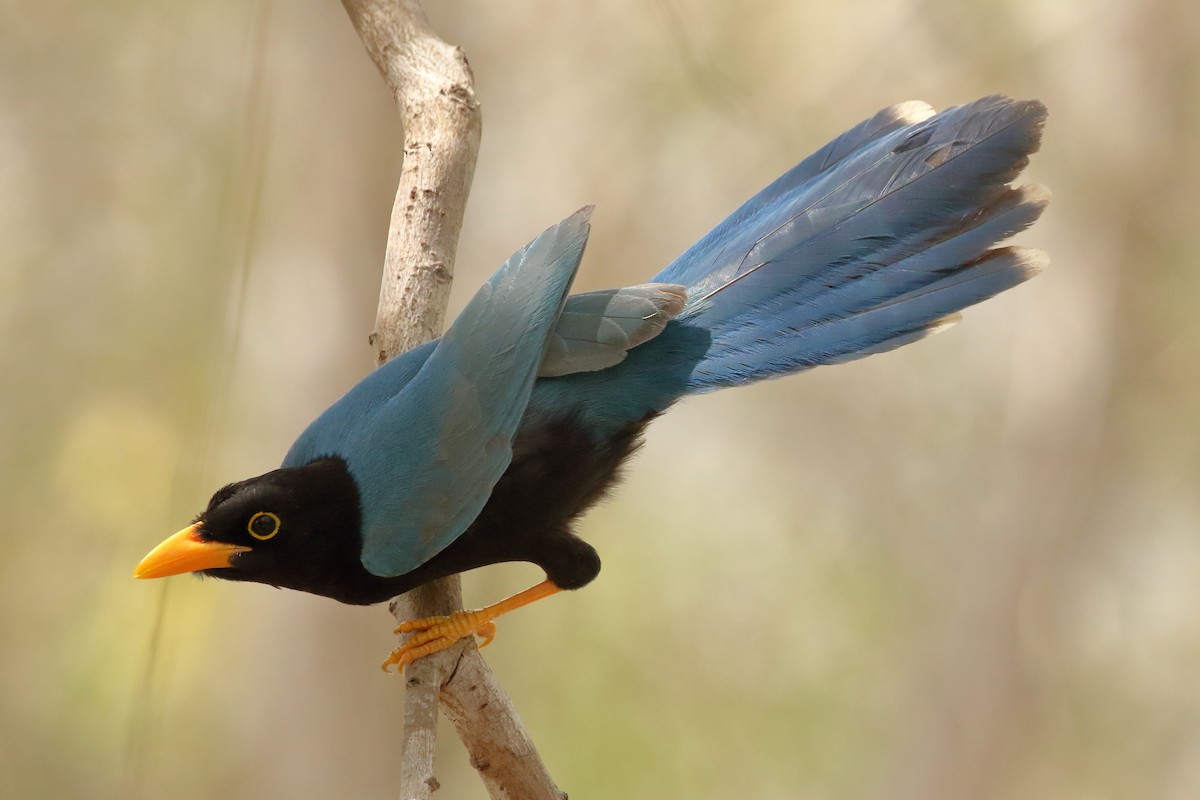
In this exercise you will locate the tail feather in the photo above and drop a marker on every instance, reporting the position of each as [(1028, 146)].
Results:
[(905, 318), (868, 244), (738, 232), (1014, 211)]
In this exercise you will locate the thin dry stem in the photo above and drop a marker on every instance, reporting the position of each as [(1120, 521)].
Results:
[(434, 90)]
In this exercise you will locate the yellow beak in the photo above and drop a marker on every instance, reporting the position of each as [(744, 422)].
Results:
[(186, 552)]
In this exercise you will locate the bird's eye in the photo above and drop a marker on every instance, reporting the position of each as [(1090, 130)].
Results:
[(263, 525)]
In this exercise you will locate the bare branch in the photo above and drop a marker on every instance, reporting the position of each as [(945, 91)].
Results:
[(488, 725), (434, 89)]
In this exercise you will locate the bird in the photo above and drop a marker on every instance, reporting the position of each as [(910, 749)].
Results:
[(488, 444)]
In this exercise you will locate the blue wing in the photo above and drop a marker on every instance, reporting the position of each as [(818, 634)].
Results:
[(427, 456)]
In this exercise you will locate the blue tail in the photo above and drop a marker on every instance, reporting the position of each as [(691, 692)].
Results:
[(873, 242)]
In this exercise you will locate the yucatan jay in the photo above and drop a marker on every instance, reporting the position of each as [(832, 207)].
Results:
[(485, 445)]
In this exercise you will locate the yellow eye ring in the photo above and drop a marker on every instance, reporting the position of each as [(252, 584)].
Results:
[(260, 530)]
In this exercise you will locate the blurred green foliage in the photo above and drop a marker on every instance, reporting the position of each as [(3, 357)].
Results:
[(970, 568)]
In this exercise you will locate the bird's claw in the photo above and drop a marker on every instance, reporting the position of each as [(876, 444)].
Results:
[(433, 634)]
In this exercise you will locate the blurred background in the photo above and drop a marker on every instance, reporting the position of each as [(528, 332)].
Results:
[(966, 569)]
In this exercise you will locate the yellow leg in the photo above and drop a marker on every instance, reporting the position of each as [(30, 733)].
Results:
[(432, 634)]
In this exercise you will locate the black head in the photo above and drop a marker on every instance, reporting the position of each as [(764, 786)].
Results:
[(296, 527)]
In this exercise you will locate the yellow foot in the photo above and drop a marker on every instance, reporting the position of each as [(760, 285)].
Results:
[(434, 634)]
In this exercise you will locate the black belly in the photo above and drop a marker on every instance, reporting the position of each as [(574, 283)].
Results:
[(558, 471)]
